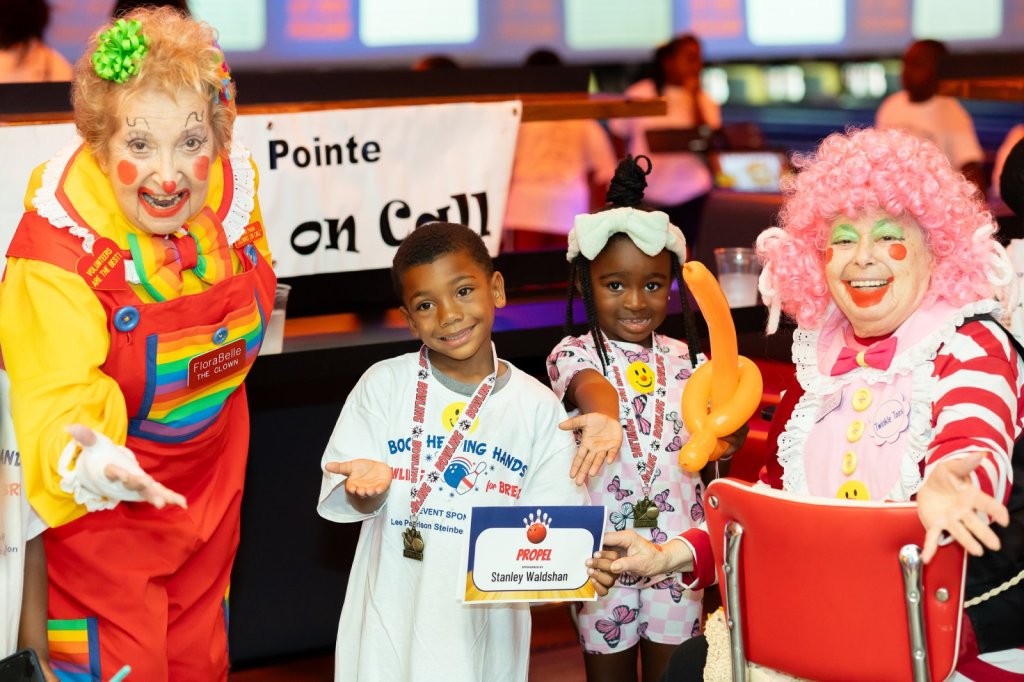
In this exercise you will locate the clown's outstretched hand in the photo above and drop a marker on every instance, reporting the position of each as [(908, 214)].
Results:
[(100, 474)]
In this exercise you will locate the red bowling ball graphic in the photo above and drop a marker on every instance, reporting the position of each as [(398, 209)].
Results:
[(536, 526)]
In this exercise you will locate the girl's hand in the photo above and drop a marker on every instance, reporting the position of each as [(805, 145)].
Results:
[(600, 572), (643, 557), (600, 440), (948, 501), (367, 478)]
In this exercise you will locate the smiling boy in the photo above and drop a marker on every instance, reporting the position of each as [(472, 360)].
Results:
[(395, 462)]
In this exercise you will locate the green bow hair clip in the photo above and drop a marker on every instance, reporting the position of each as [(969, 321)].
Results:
[(119, 51)]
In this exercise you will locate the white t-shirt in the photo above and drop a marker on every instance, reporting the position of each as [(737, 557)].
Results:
[(553, 162), (940, 119), (401, 619), (680, 176), (18, 523), (1015, 135)]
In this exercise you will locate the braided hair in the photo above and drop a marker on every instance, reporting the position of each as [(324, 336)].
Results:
[(625, 191)]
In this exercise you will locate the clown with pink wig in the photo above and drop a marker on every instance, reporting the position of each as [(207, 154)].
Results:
[(910, 387)]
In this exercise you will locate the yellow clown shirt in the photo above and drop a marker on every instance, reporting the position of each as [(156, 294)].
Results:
[(53, 329)]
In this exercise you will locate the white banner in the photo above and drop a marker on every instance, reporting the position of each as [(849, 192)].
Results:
[(340, 189)]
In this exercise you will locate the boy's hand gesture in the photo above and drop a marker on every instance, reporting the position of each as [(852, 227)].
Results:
[(367, 478), (600, 440)]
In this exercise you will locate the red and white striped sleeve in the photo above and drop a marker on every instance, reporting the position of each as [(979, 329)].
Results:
[(979, 403)]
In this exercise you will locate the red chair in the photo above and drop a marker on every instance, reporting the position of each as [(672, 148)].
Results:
[(829, 590)]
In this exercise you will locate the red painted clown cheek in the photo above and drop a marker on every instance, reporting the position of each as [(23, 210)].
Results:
[(127, 172), (828, 255), (201, 167), (897, 251)]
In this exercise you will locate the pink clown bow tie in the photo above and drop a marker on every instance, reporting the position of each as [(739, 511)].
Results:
[(878, 356)]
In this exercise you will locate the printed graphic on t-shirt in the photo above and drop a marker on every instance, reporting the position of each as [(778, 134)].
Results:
[(10, 495), (475, 474)]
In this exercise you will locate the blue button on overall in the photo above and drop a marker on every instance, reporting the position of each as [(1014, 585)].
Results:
[(126, 319)]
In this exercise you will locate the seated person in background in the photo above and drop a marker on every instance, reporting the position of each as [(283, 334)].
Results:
[(401, 619), (123, 7), (684, 180), (1015, 135), (887, 260), (919, 110), (561, 170), (23, 56)]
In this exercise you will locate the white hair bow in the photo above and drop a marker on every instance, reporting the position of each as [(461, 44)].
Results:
[(650, 231)]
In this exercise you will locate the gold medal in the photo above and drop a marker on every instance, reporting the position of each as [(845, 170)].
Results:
[(413, 544), (645, 514)]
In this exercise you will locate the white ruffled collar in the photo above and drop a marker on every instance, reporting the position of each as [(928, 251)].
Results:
[(920, 337), (926, 331)]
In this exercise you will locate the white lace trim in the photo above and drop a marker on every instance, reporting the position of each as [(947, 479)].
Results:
[(45, 199), (918, 360), (243, 198), (243, 201)]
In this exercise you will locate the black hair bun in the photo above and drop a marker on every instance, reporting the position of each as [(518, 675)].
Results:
[(630, 181), (1011, 182)]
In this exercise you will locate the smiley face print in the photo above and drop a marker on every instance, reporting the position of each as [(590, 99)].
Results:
[(640, 377), (855, 491), (451, 415)]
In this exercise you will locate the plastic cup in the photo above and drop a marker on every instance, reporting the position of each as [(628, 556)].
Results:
[(738, 270), (273, 340)]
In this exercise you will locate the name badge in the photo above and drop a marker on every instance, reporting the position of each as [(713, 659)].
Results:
[(890, 420), (217, 364), (531, 553)]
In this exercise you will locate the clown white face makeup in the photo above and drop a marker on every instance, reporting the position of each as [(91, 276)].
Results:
[(158, 160), (877, 269)]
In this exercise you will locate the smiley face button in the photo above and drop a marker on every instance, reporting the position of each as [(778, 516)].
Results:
[(855, 491), (640, 377), (450, 417)]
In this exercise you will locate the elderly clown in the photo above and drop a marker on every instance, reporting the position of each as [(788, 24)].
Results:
[(909, 386), (137, 289)]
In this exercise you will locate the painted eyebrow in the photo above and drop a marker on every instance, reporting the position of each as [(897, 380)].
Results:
[(844, 230), (133, 122), (887, 228), (194, 115)]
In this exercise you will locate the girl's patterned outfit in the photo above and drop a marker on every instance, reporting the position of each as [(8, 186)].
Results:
[(658, 610)]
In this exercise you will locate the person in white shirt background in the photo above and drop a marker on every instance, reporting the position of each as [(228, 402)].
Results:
[(684, 179), (24, 57), (562, 169), (919, 109)]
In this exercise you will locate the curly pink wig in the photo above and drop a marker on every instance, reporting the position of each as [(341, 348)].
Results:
[(868, 171)]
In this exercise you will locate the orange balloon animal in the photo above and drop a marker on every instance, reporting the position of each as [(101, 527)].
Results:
[(724, 392)]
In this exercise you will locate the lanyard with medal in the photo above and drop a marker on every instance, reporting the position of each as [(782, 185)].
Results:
[(412, 539), (645, 512)]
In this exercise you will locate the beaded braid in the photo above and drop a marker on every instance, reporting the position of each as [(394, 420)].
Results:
[(579, 270)]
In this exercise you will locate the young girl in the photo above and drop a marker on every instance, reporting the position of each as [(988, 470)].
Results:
[(623, 376)]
